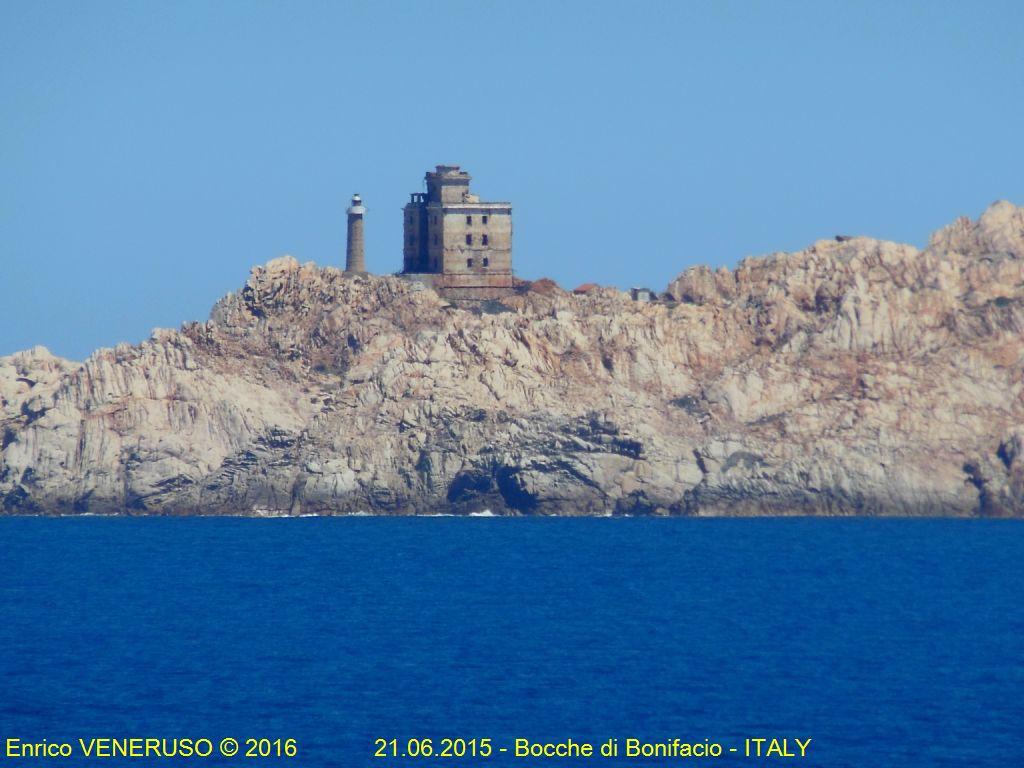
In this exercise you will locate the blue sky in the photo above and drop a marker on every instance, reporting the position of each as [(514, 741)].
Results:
[(150, 153)]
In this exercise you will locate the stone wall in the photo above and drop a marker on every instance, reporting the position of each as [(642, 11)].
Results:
[(465, 252)]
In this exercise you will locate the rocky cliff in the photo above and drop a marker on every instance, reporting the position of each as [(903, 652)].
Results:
[(854, 377)]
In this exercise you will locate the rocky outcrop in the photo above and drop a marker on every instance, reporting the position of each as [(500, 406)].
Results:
[(854, 377)]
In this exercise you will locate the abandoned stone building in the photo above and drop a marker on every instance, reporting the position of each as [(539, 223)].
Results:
[(455, 242)]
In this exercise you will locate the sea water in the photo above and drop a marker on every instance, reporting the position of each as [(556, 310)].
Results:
[(886, 642)]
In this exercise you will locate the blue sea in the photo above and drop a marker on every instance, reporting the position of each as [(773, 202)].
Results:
[(890, 643)]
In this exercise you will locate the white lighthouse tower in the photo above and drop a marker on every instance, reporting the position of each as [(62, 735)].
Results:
[(355, 257)]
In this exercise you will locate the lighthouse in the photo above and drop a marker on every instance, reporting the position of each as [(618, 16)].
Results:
[(355, 258)]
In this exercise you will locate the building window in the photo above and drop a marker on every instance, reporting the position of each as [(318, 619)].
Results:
[(487, 261), (484, 238), (469, 262), (435, 239), (469, 239), (469, 219), (485, 219), (411, 239)]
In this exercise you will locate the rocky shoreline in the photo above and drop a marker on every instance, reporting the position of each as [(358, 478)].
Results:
[(856, 377)]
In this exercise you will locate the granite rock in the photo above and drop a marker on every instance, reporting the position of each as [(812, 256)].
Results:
[(856, 377)]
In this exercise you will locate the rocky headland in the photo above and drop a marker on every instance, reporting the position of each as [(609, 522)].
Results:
[(856, 377)]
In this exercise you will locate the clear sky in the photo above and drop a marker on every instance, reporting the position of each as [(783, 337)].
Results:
[(151, 152)]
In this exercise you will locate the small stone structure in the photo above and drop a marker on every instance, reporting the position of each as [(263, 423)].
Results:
[(454, 242), (642, 294)]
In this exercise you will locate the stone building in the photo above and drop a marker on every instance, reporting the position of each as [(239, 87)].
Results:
[(454, 242)]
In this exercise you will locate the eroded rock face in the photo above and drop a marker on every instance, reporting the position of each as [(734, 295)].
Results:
[(854, 377)]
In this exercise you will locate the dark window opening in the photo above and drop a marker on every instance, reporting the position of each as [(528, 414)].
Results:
[(411, 239), (486, 261), (485, 219), (469, 239), (469, 219), (469, 262), (435, 239), (485, 239)]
